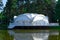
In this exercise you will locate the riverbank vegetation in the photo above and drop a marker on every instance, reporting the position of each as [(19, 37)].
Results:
[(17, 7)]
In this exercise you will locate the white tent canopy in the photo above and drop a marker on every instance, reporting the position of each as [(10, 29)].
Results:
[(30, 19), (22, 20), (40, 20)]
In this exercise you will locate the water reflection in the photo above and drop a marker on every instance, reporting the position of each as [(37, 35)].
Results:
[(41, 35)]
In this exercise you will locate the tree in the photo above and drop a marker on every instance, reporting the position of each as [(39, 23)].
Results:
[(57, 10), (10, 10), (7, 11), (17, 7)]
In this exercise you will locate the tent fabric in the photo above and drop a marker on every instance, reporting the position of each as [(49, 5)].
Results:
[(28, 19), (22, 20), (25, 19), (40, 20), (31, 15)]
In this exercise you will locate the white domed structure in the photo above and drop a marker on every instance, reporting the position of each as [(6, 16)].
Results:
[(40, 20), (24, 19), (29, 19)]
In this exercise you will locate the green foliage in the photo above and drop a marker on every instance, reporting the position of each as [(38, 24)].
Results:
[(57, 10), (48, 1), (11, 7), (2, 17), (3, 24), (5, 36), (40, 6), (36, 7), (10, 10)]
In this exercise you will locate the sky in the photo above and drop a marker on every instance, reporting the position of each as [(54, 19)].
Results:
[(56, 0), (4, 3)]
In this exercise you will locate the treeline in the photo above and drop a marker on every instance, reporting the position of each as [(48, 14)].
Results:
[(17, 7)]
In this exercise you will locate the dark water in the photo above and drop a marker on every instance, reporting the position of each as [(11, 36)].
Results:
[(29, 35)]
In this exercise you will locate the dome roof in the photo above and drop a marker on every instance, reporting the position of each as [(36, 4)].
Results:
[(26, 15), (30, 15), (24, 19), (40, 20), (29, 19)]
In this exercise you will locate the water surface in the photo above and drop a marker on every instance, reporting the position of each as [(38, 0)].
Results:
[(29, 34)]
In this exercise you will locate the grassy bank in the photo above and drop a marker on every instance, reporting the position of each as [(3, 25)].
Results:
[(5, 36)]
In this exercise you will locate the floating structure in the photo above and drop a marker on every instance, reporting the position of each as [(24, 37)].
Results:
[(31, 19)]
